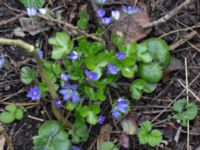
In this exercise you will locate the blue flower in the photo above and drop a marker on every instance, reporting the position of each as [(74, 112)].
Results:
[(101, 119), (2, 60), (91, 75), (40, 53), (58, 103), (69, 92), (100, 2), (130, 10), (31, 11), (75, 148), (34, 93), (120, 55), (42, 11), (121, 107), (115, 14), (65, 77), (73, 55), (112, 69), (101, 12), (106, 20)]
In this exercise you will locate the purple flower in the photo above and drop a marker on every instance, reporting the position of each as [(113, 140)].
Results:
[(75, 148), (73, 55), (40, 53), (101, 12), (31, 11), (101, 119), (58, 103), (2, 60), (115, 14), (42, 11), (120, 55), (91, 75), (121, 107), (34, 93), (112, 69), (116, 114), (130, 10), (100, 2), (65, 77), (106, 20), (69, 93)]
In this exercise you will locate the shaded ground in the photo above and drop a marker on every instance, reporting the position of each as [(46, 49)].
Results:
[(12, 90)]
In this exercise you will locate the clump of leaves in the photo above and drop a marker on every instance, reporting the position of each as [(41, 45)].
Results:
[(184, 111), (147, 135), (108, 146), (12, 112), (51, 136)]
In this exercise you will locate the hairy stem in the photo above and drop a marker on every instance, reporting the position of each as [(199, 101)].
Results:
[(30, 48)]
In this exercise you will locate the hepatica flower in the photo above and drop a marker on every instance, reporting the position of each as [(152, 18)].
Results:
[(115, 14), (31, 11), (75, 148), (65, 77), (101, 119), (40, 53), (112, 69), (106, 20), (69, 93), (42, 11), (34, 93), (130, 10), (91, 75), (2, 60), (120, 55), (120, 108), (73, 55), (101, 12), (58, 103)]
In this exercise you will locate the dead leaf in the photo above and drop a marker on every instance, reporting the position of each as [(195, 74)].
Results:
[(104, 135), (33, 25), (175, 64), (124, 140), (134, 24), (129, 124), (2, 142)]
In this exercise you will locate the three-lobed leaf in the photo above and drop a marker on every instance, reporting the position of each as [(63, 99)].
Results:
[(27, 75)]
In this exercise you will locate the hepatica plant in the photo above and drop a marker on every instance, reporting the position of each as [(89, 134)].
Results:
[(81, 72)]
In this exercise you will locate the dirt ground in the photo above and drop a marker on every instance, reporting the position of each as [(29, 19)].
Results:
[(151, 105)]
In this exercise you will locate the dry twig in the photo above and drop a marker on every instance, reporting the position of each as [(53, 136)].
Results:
[(168, 15)]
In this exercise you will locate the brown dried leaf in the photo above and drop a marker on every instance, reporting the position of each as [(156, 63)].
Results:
[(129, 124), (104, 135), (135, 31), (2, 142), (124, 140)]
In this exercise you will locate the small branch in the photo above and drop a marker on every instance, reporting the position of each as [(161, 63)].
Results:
[(182, 40), (11, 20), (71, 27), (30, 48), (168, 15)]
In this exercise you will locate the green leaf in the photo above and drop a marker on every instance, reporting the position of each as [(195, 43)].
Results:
[(27, 75), (7, 117), (61, 45), (129, 61), (100, 94), (143, 54), (19, 114), (128, 72), (84, 111), (56, 69), (11, 108), (149, 88), (92, 118), (95, 108), (151, 73), (179, 105), (89, 92), (159, 50), (108, 146), (83, 21), (155, 138), (70, 106), (79, 132), (117, 40), (131, 48), (32, 3), (136, 88), (51, 136), (147, 135)]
